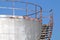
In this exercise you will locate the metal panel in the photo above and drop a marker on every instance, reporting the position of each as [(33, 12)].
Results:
[(19, 29)]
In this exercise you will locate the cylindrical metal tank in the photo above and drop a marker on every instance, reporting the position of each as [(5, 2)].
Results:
[(13, 28)]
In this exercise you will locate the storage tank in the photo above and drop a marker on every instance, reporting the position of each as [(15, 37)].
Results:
[(24, 21), (19, 28)]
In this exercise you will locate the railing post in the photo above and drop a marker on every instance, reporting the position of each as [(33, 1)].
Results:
[(36, 14), (26, 8), (13, 8)]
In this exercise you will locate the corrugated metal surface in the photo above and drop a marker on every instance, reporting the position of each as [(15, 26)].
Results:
[(19, 29)]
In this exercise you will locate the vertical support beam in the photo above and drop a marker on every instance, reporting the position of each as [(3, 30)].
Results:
[(41, 15), (50, 35), (51, 18), (50, 24)]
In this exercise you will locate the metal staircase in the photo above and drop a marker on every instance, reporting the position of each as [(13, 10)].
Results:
[(46, 32)]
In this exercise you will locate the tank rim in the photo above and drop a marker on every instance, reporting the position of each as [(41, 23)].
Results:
[(8, 16)]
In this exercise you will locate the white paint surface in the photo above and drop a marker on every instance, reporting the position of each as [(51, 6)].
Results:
[(19, 29)]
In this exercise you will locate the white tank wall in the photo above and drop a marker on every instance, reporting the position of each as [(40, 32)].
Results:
[(19, 29)]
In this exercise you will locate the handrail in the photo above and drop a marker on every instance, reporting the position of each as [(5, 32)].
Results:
[(27, 10)]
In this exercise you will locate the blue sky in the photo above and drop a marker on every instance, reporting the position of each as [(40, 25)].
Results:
[(47, 5)]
